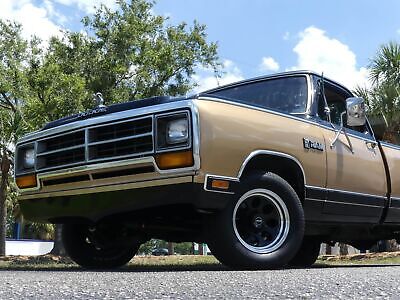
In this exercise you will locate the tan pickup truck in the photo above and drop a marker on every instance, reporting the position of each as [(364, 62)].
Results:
[(262, 170)]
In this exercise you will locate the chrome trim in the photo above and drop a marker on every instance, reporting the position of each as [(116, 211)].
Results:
[(395, 198), (274, 153), (218, 177), (389, 145), (309, 94), (316, 200), (16, 158), (112, 187), (196, 134), (122, 115), (127, 115), (356, 204), (60, 150), (172, 147), (131, 137), (343, 191), (345, 203), (109, 165)]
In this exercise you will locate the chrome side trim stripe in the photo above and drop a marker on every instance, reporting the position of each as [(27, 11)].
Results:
[(343, 191), (343, 203)]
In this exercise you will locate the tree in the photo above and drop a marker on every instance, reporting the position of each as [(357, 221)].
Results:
[(12, 89), (383, 97), (131, 53), (126, 54)]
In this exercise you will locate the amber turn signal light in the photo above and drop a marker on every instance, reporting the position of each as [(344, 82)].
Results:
[(27, 181), (175, 160), (220, 184)]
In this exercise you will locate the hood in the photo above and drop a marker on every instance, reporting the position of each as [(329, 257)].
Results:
[(100, 111)]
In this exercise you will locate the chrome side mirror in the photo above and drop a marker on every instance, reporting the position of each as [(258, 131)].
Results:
[(355, 108)]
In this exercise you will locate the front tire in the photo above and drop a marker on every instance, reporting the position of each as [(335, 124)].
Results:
[(92, 247), (262, 229), (307, 254)]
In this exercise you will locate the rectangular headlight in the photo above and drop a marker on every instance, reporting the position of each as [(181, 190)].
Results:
[(177, 131), (173, 131), (25, 158)]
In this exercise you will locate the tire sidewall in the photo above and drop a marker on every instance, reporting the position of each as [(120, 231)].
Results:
[(228, 248), (81, 252)]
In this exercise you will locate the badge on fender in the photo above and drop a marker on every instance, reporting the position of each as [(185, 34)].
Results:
[(308, 144)]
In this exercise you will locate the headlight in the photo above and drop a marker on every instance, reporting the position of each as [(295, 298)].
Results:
[(25, 158), (173, 131), (29, 158), (177, 131)]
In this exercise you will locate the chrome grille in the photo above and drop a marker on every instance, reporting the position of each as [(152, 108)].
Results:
[(117, 140)]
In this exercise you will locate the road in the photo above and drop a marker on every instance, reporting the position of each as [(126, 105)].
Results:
[(332, 282)]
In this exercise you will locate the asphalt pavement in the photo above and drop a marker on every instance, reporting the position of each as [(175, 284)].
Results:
[(376, 282)]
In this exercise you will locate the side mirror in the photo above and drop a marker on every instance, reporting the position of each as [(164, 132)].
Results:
[(355, 108)]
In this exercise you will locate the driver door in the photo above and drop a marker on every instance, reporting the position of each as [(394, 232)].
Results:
[(356, 178)]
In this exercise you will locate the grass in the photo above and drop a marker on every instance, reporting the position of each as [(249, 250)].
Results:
[(181, 262)]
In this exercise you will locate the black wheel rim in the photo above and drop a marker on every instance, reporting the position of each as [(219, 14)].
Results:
[(261, 221)]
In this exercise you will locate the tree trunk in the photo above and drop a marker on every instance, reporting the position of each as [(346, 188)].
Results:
[(328, 249), (58, 248), (170, 248), (5, 168), (343, 249)]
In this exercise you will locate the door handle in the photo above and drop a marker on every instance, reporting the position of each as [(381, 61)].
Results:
[(371, 144)]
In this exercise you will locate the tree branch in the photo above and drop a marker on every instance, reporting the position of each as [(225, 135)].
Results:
[(9, 102)]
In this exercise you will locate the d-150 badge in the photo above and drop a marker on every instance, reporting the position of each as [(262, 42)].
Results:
[(308, 144)]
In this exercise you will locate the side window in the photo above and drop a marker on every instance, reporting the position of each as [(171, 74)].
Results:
[(287, 94), (336, 101)]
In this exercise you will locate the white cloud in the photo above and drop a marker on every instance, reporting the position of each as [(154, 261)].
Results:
[(88, 6), (206, 80), (34, 19), (318, 52), (269, 64)]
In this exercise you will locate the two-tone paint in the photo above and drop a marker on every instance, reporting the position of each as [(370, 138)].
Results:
[(357, 185)]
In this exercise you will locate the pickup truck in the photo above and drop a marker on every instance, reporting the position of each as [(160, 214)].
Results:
[(263, 170)]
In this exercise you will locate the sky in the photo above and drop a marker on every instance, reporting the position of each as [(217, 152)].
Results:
[(255, 37)]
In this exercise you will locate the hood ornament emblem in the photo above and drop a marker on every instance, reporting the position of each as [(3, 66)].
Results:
[(98, 98)]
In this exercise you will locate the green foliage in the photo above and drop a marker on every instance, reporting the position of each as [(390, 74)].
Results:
[(385, 66), (149, 246), (179, 248), (131, 53), (126, 54), (383, 98), (184, 248)]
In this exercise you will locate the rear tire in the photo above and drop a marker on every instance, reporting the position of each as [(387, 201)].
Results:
[(262, 228), (93, 248), (307, 254)]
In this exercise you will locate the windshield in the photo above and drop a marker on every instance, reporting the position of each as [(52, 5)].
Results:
[(287, 94)]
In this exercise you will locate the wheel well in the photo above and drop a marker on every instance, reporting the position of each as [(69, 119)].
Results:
[(284, 167)]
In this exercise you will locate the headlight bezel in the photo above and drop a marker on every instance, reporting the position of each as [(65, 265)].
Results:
[(22, 167), (161, 132)]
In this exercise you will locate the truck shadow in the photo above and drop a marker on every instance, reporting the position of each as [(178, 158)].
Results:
[(181, 268)]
